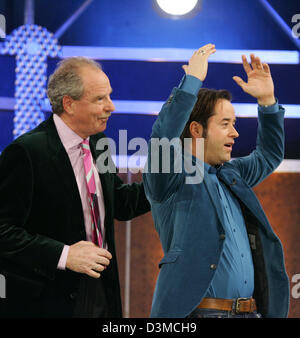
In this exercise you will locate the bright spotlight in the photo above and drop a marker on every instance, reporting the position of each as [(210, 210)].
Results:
[(177, 7)]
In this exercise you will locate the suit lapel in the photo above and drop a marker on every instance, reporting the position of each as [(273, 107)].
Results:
[(243, 192), (61, 162), (103, 177), (213, 192), (214, 195)]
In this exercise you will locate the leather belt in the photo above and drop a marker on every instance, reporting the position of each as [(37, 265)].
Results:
[(234, 305)]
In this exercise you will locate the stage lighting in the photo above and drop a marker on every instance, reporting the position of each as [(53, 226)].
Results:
[(177, 7)]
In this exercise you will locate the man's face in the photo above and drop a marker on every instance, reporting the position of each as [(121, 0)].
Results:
[(91, 112), (220, 134)]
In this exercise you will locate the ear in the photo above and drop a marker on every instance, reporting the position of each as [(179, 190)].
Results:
[(67, 102), (196, 129)]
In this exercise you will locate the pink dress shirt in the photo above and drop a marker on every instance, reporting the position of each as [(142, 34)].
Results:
[(71, 142)]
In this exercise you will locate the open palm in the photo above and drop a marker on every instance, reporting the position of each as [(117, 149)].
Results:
[(260, 83)]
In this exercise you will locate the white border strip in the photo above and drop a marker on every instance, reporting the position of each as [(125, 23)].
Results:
[(289, 166), (7, 103), (138, 107), (153, 107), (177, 54), (250, 110), (138, 163)]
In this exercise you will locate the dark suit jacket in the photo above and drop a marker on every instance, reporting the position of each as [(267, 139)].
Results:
[(40, 211)]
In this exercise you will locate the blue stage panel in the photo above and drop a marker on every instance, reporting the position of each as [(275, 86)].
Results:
[(6, 128), (7, 83), (141, 126), (144, 80)]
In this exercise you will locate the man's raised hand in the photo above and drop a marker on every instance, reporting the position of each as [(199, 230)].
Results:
[(260, 83), (198, 63)]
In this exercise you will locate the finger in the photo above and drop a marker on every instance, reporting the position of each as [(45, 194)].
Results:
[(258, 63), (266, 68), (184, 67), (93, 274), (211, 51), (102, 260), (207, 53), (246, 65), (210, 46), (205, 47), (98, 267), (104, 253), (253, 61), (239, 81)]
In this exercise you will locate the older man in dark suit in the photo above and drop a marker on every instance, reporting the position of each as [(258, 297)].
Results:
[(57, 248)]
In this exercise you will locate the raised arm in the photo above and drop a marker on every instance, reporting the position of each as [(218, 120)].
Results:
[(170, 123), (269, 150)]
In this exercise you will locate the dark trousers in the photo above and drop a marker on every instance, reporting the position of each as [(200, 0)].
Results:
[(91, 299)]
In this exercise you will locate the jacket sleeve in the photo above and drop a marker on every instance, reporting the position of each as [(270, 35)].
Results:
[(18, 246), (159, 184), (269, 151), (130, 200)]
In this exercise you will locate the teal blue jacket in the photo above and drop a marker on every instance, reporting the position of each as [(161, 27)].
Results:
[(190, 224)]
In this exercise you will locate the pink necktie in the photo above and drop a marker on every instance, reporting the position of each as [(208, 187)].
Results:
[(93, 200)]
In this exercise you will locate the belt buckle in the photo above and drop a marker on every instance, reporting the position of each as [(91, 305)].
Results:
[(236, 305)]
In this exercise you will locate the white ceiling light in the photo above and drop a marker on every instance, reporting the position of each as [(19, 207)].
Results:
[(177, 7)]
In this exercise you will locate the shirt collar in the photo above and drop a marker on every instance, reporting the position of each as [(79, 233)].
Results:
[(67, 136), (207, 167)]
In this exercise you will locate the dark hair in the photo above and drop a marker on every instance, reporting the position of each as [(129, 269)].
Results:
[(204, 108)]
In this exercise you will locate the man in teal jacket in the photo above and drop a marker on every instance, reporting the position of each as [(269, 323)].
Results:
[(221, 256)]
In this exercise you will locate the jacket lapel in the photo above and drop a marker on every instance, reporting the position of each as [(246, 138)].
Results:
[(61, 162), (214, 196), (212, 191), (103, 177), (243, 192)]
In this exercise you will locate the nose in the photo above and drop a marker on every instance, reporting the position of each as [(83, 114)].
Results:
[(234, 133), (109, 107)]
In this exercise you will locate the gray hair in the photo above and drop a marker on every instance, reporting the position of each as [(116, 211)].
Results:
[(66, 81)]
